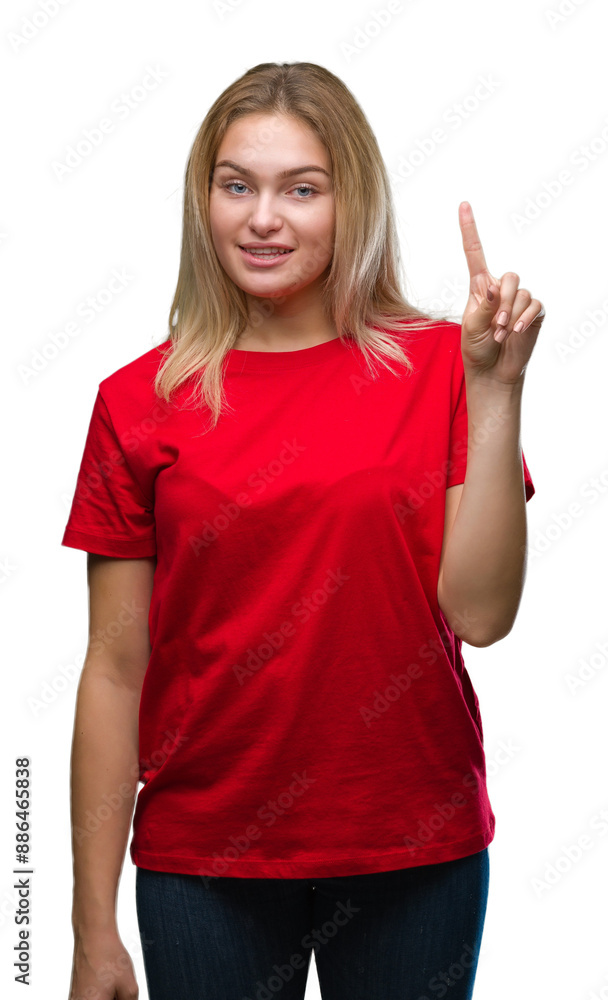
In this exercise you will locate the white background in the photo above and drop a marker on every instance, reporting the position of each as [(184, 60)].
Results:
[(120, 208)]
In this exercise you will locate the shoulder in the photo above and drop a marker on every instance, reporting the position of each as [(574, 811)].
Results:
[(141, 369), (135, 380)]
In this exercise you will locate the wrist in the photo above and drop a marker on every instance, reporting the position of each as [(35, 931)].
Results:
[(89, 925), (90, 918), (486, 386)]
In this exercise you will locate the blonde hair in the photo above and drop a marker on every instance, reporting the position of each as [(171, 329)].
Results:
[(361, 294)]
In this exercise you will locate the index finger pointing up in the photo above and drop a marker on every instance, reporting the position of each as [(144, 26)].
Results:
[(470, 241)]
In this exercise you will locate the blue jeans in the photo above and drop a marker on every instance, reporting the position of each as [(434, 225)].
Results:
[(410, 934)]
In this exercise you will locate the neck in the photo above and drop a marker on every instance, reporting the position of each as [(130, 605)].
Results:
[(285, 328)]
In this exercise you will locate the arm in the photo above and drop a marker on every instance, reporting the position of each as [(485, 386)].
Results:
[(482, 569), (105, 750), (483, 560)]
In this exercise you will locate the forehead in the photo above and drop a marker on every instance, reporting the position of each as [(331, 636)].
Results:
[(260, 138)]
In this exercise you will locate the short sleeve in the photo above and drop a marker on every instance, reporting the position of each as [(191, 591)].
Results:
[(109, 514), (458, 446)]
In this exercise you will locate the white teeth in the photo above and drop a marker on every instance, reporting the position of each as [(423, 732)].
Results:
[(265, 253)]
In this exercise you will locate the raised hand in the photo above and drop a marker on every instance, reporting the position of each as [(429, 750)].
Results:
[(501, 321)]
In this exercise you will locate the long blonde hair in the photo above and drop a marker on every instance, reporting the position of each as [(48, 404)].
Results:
[(361, 294)]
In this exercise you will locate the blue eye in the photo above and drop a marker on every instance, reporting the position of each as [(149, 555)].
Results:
[(300, 187)]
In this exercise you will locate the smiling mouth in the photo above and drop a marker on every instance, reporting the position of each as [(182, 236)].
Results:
[(258, 252)]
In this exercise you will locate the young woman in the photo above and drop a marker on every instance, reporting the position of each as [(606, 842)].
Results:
[(296, 509)]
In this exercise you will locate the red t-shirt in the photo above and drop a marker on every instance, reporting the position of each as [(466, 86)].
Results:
[(306, 710)]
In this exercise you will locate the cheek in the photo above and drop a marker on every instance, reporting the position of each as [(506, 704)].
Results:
[(221, 214), (321, 229), (322, 237)]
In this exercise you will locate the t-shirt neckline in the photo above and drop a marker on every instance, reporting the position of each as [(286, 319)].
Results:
[(245, 361)]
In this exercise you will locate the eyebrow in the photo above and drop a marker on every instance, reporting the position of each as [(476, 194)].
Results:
[(280, 176)]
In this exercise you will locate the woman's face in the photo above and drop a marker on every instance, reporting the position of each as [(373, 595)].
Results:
[(251, 203)]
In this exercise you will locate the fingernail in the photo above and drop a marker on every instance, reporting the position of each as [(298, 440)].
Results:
[(502, 318)]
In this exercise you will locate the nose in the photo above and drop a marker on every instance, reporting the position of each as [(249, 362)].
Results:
[(264, 214)]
